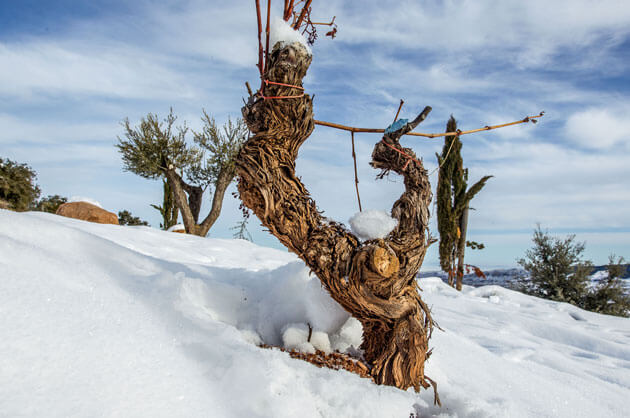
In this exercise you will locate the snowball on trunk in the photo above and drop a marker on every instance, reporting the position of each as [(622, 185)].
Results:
[(372, 224), (281, 31)]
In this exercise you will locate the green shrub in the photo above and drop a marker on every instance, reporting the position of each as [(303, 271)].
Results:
[(126, 218), (610, 296), (558, 272), (18, 190), (50, 204)]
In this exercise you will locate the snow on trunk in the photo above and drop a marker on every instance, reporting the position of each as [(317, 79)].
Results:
[(282, 32), (372, 224)]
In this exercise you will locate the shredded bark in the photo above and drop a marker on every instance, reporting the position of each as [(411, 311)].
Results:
[(373, 280)]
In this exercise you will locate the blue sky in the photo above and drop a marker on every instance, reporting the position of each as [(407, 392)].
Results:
[(71, 71)]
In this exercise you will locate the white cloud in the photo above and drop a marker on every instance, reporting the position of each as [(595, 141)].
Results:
[(42, 67), (528, 32), (600, 128), (220, 31), (27, 130)]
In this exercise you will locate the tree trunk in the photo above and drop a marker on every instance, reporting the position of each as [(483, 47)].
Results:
[(374, 281), (225, 177), (461, 249), (190, 207), (182, 203), (195, 198)]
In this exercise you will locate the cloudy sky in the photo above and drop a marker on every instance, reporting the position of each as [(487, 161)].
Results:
[(71, 71)]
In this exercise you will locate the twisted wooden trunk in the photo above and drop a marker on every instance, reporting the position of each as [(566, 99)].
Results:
[(375, 280)]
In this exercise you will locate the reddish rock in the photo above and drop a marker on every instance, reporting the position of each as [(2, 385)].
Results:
[(87, 212)]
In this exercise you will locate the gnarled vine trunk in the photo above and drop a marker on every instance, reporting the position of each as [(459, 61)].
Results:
[(375, 280)]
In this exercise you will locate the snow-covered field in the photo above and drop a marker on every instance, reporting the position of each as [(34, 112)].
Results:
[(104, 320)]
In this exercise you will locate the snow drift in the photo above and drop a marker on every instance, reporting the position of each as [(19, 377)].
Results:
[(105, 320)]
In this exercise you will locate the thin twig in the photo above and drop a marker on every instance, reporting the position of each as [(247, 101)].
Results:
[(288, 11), (302, 15), (438, 135), (260, 46), (356, 177), (267, 39), (402, 102), (332, 22), (249, 89)]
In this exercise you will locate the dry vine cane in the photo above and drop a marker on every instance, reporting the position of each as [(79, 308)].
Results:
[(375, 280), (526, 119)]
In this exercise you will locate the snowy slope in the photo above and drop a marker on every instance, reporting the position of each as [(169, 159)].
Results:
[(104, 320)]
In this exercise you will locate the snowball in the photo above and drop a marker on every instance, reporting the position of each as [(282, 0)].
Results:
[(178, 227), (350, 335), (281, 31), (305, 347), (320, 341), (372, 224), (251, 336), (85, 199), (294, 335)]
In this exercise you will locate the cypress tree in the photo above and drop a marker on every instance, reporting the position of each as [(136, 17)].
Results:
[(168, 210), (452, 205)]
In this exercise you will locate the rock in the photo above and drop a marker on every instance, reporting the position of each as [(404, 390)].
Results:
[(87, 212)]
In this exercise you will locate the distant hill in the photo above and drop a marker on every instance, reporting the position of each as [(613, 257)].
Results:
[(508, 277)]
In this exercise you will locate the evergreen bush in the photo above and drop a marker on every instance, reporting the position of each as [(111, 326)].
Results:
[(18, 190), (558, 272)]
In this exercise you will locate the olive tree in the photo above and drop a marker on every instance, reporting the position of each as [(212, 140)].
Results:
[(158, 149)]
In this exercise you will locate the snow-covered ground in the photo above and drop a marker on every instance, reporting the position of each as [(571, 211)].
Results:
[(106, 320)]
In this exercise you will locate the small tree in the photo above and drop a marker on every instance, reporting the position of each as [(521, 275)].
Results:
[(557, 272), (452, 206), (126, 218), (610, 296), (556, 269), (50, 203), (156, 149), (18, 190)]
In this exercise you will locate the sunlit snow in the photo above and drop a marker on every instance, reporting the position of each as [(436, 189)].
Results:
[(281, 31), (107, 320), (372, 224)]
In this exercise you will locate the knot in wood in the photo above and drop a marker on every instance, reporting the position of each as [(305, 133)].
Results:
[(384, 261)]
